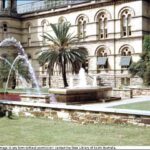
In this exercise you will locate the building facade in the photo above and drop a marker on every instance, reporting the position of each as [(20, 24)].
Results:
[(112, 31)]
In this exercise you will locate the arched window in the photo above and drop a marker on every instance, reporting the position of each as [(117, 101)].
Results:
[(29, 31), (126, 52), (102, 21), (5, 27), (102, 58), (82, 21), (126, 57), (126, 23), (44, 25), (62, 19)]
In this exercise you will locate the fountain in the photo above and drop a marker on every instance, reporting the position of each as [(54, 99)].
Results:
[(81, 93), (82, 78), (21, 54)]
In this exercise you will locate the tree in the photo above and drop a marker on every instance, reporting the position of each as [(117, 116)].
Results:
[(60, 52), (142, 67)]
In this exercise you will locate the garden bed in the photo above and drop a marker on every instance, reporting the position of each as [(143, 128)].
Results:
[(10, 97)]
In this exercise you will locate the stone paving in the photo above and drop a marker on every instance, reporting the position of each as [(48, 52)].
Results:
[(93, 107)]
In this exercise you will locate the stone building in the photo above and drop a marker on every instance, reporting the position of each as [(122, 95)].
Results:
[(112, 31)]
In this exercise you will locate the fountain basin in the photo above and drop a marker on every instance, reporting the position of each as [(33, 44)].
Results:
[(10, 97), (81, 95), (34, 98)]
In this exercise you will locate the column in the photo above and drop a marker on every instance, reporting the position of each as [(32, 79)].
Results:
[(1, 5), (14, 5), (8, 4)]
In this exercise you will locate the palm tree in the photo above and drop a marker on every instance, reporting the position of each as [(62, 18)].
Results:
[(61, 53)]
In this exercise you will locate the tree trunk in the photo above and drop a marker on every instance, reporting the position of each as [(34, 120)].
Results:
[(64, 74), (49, 82)]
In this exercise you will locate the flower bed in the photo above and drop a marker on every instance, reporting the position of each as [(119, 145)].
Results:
[(9, 96)]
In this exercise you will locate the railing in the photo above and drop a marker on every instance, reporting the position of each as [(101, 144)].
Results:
[(42, 5)]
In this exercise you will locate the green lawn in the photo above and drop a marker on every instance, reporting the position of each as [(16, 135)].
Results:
[(36, 131), (138, 106), (32, 90)]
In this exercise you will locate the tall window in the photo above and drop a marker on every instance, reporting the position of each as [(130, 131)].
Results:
[(102, 26), (125, 58), (44, 29), (4, 30), (62, 19), (126, 23), (29, 34), (4, 27), (82, 21), (102, 59)]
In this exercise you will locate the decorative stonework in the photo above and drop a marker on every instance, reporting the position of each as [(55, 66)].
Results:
[(79, 116)]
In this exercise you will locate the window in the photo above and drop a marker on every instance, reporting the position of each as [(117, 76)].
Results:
[(85, 65), (43, 81), (62, 19), (4, 27), (82, 27), (102, 26), (125, 81), (126, 58), (29, 34), (126, 23), (102, 59), (44, 29), (44, 69)]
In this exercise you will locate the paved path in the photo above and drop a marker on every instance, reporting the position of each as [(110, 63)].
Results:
[(98, 107), (119, 102)]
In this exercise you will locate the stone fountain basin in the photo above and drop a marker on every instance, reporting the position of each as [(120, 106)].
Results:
[(81, 95), (34, 98)]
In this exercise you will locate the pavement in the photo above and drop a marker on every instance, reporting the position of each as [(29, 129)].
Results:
[(93, 107)]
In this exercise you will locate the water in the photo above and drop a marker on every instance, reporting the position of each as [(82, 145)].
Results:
[(82, 78), (52, 98), (82, 82), (23, 81), (13, 42), (95, 81), (71, 82), (12, 66), (2, 58)]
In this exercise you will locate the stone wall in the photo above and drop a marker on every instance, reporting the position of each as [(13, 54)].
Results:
[(141, 91), (123, 93), (78, 116), (130, 93)]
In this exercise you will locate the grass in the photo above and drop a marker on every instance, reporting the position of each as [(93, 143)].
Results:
[(36, 131), (137, 106), (32, 90)]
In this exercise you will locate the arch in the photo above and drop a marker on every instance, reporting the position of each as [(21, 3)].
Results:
[(4, 55), (44, 21), (4, 22), (131, 10), (102, 47), (44, 25), (81, 15), (4, 26), (62, 19), (126, 46), (28, 24), (29, 56), (102, 11)]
